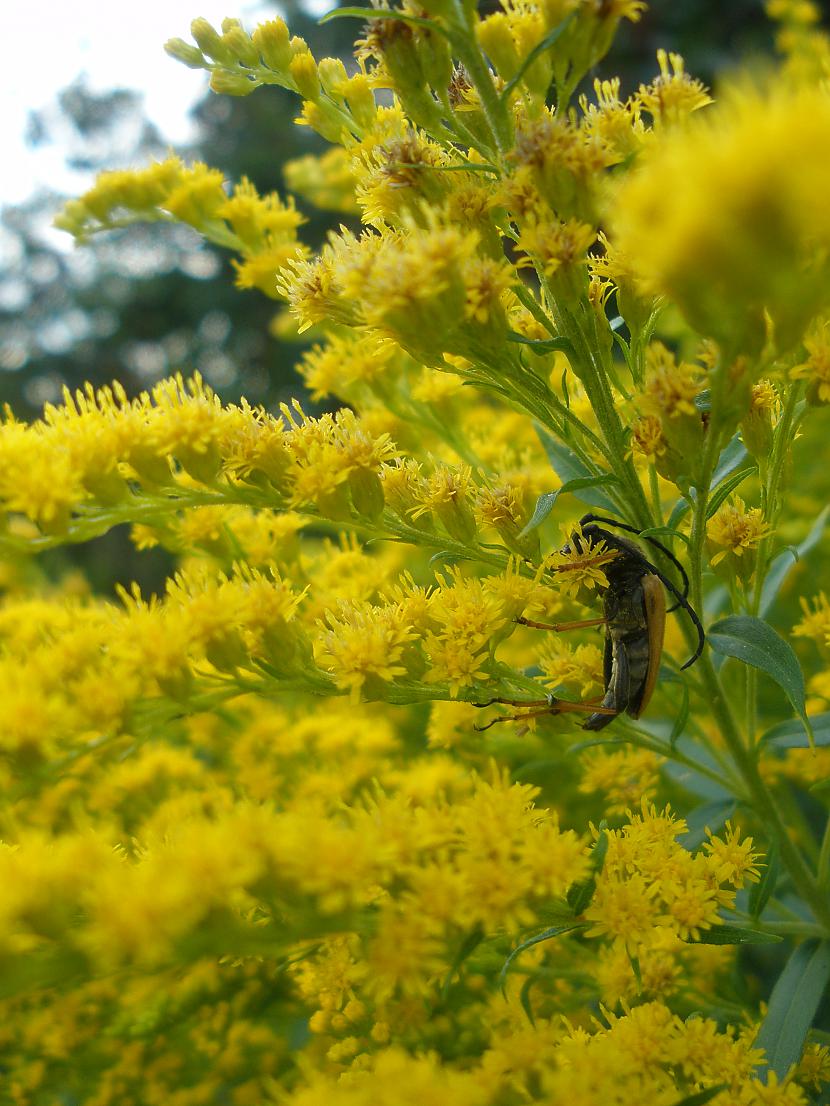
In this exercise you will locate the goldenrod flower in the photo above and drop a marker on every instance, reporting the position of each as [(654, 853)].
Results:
[(579, 564), (816, 369), (738, 529), (814, 623), (674, 95), (762, 245)]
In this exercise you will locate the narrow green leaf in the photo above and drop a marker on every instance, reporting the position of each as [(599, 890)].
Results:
[(524, 999), (545, 503), (679, 511), (537, 51), (471, 942), (545, 935), (781, 565), (638, 974), (793, 1004), (383, 13), (712, 815), (754, 642), (664, 532), (735, 935), (700, 1098), (568, 466), (727, 486), (580, 894), (731, 456), (541, 346), (682, 717), (759, 896), (447, 557), (792, 734)]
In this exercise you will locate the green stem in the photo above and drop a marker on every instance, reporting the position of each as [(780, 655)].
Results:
[(770, 489), (495, 111), (824, 860), (764, 802), (595, 380)]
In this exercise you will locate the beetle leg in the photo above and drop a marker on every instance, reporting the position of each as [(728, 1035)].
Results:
[(560, 626), (548, 705), (516, 718)]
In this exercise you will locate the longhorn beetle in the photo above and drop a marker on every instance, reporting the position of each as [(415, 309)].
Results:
[(634, 616)]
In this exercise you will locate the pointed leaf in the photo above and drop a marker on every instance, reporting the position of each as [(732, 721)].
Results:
[(682, 717), (541, 346), (636, 969), (792, 734), (580, 894), (568, 466), (664, 532), (793, 1004), (545, 503), (712, 815), (468, 945), (727, 486), (754, 642), (447, 557), (781, 565), (759, 896), (540, 48), (524, 999), (383, 13), (735, 935), (731, 456), (679, 511), (545, 935)]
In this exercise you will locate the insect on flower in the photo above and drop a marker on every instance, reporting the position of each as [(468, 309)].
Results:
[(634, 617)]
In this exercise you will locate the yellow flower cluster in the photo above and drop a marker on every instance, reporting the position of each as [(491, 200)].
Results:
[(263, 229), (254, 846), (728, 264), (102, 454), (738, 530)]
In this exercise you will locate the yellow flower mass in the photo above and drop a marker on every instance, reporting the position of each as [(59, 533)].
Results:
[(407, 787)]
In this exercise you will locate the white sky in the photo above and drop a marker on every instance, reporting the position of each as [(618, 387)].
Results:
[(116, 44)]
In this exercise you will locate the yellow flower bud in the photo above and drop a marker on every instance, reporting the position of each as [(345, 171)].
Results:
[(496, 40), (271, 40), (238, 43), (210, 42), (303, 70), (230, 84), (182, 51), (333, 77)]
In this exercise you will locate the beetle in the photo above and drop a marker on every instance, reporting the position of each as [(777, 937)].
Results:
[(634, 616)]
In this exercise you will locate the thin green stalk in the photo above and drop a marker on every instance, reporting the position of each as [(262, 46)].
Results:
[(595, 381), (760, 795), (824, 860), (495, 111), (654, 488), (770, 490), (770, 497)]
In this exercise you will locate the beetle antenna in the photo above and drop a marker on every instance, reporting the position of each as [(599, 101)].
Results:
[(652, 541), (683, 602)]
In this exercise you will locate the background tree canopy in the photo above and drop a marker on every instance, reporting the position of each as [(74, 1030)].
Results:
[(154, 299)]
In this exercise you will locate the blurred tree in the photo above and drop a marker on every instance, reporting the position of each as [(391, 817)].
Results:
[(139, 304)]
